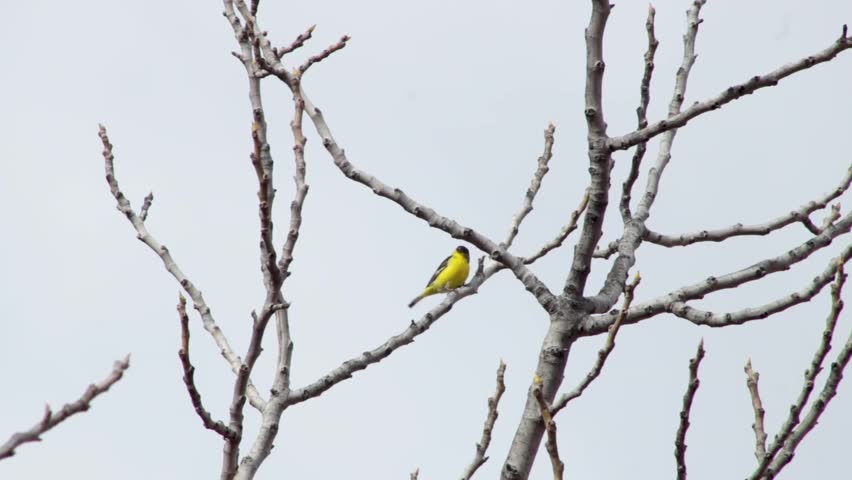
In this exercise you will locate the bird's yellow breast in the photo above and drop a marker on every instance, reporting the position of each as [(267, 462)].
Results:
[(454, 274)]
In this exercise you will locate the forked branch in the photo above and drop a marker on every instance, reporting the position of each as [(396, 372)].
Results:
[(603, 353), (781, 450), (172, 267), (634, 229), (563, 234), (189, 377), (641, 116), (732, 93), (674, 302)]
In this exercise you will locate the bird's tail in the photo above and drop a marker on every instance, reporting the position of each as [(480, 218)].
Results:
[(430, 290), (416, 299)]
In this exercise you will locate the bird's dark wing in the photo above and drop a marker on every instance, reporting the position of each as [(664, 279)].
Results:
[(442, 266)]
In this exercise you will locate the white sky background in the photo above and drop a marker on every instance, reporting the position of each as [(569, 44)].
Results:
[(448, 101)]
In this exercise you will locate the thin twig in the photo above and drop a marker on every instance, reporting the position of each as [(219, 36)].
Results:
[(51, 419), (323, 55), (641, 114), (563, 234), (800, 215), (189, 377), (603, 353), (482, 447), (301, 186), (414, 474), (550, 428), (262, 162), (688, 397), (298, 42), (535, 184), (752, 378)]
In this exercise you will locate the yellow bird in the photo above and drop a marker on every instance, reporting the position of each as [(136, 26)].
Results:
[(451, 274)]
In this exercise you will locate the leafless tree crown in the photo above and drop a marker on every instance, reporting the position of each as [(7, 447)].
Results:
[(573, 312)]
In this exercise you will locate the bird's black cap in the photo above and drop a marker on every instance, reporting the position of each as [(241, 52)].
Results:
[(463, 250)]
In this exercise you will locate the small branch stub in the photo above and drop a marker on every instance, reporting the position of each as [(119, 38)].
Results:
[(752, 378)]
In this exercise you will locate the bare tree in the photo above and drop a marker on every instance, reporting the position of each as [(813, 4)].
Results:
[(573, 313)]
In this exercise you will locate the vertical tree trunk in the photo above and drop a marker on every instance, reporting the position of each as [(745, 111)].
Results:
[(551, 366)]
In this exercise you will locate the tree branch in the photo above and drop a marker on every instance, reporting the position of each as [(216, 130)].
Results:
[(634, 230), (799, 215), (261, 159), (689, 396), (269, 62), (752, 378), (171, 266), (674, 302), (265, 57), (482, 447), (298, 42), (561, 334), (407, 336), (435, 220), (454, 229), (270, 413), (323, 55), (600, 158), (784, 445), (730, 94), (535, 185), (603, 353), (642, 116), (301, 188), (253, 43), (189, 377), (50, 419), (816, 410), (563, 234)]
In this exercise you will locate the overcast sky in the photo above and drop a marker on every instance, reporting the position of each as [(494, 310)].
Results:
[(447, 100)]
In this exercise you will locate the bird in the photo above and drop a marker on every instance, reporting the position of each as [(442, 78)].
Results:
[(450, 274)]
